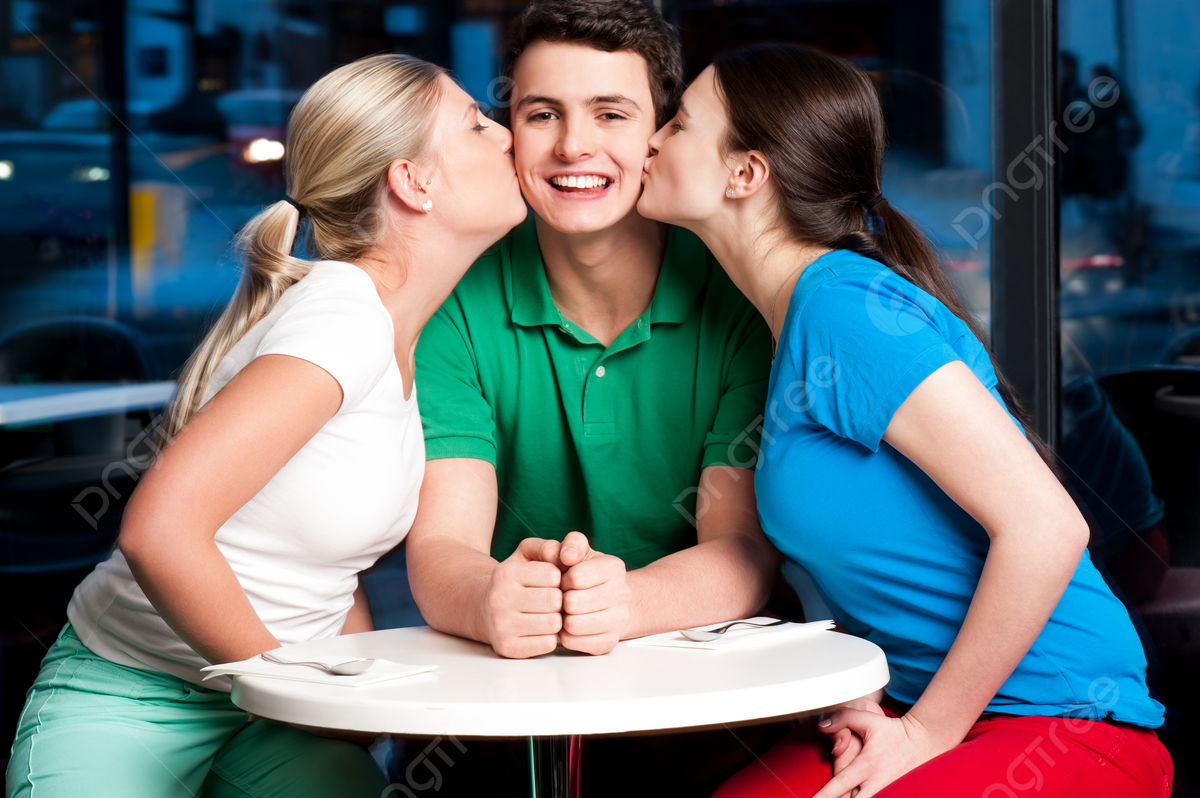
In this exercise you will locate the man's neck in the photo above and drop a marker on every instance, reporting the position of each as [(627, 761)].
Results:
[(603, 281)]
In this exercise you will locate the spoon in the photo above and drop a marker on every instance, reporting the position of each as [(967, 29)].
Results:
[(351, 668), (707, 636)]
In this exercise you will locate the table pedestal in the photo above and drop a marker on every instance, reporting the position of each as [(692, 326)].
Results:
[(554, 765)]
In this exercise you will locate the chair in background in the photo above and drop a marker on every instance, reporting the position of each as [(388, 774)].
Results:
[(44, 467), (1161, 409), (78, 350), (1183, 349)]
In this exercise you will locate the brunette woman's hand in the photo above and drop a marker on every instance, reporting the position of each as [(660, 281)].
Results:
[(891, 747), (847, 744)]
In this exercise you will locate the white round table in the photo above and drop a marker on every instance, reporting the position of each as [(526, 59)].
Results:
[(560, 696)]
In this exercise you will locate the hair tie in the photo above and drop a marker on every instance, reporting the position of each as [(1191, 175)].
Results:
[(875, 225), (299, 208)]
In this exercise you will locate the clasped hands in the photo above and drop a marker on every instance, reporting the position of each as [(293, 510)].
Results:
[(549, 592)]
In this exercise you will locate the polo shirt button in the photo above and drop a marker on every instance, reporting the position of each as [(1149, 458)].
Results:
[(600, 371)]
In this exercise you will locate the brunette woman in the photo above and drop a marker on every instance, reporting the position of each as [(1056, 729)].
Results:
[(898, 467)]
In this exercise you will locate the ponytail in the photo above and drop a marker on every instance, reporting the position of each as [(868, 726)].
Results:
[(269, 269), (817, 121)]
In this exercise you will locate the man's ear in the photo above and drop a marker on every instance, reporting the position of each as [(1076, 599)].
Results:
[(405, 185), (749, 173)]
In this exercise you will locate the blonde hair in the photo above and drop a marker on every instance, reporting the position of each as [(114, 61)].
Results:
[(342, 136)]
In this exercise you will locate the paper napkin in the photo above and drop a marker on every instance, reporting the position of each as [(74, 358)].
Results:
[(381, 670)]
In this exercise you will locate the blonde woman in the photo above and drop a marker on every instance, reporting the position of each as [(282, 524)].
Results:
[(295, 461)]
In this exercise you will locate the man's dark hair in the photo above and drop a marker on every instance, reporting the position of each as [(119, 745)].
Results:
[(610, 26)]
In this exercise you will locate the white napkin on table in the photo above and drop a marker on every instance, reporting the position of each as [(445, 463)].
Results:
[(381, 670), (738, 635)]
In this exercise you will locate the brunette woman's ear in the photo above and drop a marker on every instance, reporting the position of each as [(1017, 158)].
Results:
[(404, 184), (749, 174)]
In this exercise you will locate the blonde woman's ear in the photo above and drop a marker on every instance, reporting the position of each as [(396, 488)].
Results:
[(404, 182)]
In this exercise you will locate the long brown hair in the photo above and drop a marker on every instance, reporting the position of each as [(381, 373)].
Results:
[(817, 121)]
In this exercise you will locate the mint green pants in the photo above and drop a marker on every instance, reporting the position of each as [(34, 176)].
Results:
[(92, 727)]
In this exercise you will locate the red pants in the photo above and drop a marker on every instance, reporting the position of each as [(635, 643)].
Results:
[(1001, 757)]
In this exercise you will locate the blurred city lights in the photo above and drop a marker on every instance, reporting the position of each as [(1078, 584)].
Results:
[(6, 170), (261, 150)]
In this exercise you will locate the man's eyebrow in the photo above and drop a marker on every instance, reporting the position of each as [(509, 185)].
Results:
[(613, 99), (600, 99), (538, 99), (683, 109)]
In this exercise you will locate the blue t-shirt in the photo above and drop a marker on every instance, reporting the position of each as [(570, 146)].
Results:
[(894, 557)]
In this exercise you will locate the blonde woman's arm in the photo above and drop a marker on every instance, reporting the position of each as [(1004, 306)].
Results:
[(221, 458)]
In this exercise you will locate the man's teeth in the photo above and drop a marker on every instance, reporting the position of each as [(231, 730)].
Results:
[(580, 181)]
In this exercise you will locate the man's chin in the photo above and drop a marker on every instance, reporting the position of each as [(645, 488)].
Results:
[(582, 223)]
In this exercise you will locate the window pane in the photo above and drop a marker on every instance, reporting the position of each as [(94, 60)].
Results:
[(1130, 305), (930, 62)]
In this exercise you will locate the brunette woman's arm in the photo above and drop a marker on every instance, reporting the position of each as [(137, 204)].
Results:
[(958, 434)]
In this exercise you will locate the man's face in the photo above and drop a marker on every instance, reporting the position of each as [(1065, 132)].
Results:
[(581, 120)]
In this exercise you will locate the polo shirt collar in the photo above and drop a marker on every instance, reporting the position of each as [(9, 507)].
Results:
[(680, 280), (683, 274), (532, 304)]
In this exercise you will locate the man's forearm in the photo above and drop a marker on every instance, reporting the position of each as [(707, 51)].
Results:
[(721, 579), (449, 581)]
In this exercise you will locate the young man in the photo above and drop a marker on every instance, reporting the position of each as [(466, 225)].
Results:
[(595, 379)]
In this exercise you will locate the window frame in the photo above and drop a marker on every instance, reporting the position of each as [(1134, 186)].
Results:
[(1025, 258)]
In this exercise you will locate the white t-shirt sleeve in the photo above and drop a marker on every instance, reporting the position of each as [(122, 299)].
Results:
[(340, 326)]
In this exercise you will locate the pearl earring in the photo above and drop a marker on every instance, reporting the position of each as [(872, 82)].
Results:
[(729, 193), (427, 206)]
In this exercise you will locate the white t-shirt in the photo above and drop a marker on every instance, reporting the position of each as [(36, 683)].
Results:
[(345, 499)]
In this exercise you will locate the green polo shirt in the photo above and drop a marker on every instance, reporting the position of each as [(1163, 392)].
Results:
[(607, 441)]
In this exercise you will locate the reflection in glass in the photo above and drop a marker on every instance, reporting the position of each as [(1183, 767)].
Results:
[(1129, 99)]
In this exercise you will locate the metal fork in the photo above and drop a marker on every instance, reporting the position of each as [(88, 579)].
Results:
[(708, 635), (351, 668)]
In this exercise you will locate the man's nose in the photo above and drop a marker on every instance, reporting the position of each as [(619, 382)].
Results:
[(576, 141)]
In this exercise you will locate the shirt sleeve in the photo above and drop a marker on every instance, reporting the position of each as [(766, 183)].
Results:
[(341, 327), (734, 437), (857, 351), (457, 418)]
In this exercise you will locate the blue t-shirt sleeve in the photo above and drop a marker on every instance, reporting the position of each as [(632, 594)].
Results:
[(860, 344)]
